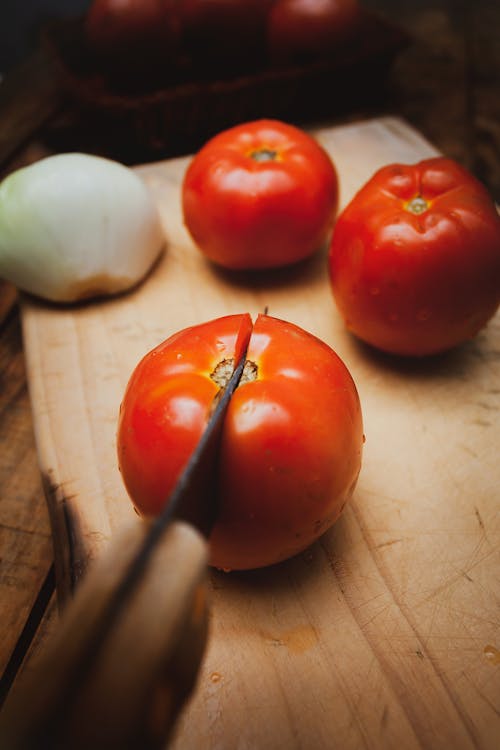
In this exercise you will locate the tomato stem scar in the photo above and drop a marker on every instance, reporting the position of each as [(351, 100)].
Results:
[(264, 154), (224, 369), (417, 205), (250, 372)]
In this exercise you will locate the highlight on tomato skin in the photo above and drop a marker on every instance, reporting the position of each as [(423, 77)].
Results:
[(260, 195), (414, 259), (302, 31), (292, 439), (133, 38)]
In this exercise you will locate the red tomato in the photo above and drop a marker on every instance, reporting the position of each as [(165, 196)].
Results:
[(303, 30), (415, 258), (132, 35), (291, 445), (260, 195)]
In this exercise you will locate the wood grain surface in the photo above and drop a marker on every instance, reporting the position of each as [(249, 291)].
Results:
[(25, 540), (384, 633)]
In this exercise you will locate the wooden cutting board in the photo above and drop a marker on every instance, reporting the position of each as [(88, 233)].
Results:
[(384, 634)]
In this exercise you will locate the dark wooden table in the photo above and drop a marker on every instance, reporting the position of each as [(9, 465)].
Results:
[(446, 83)]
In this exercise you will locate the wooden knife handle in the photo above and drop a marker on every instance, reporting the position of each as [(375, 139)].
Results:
[(128, 691)]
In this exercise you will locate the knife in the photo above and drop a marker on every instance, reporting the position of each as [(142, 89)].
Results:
[(128, 648)]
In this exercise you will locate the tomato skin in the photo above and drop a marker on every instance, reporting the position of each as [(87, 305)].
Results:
[(417, 284), (165, 407), (243, 213), (293, 441), (291, 446), (299, 31), (132, 36)]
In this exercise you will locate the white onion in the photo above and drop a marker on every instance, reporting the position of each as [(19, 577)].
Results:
[(75, 226)]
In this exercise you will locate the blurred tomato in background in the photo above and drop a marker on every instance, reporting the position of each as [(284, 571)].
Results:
[(299, 31)]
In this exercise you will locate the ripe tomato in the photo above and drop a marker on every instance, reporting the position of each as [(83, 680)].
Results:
[(415, 258), (131, 36), (260, 195), (299, 31), (292, 438)]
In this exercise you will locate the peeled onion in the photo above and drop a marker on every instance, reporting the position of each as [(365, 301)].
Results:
[(74, 226)]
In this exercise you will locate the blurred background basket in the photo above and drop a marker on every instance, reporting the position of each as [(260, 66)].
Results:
[(187, 108)]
